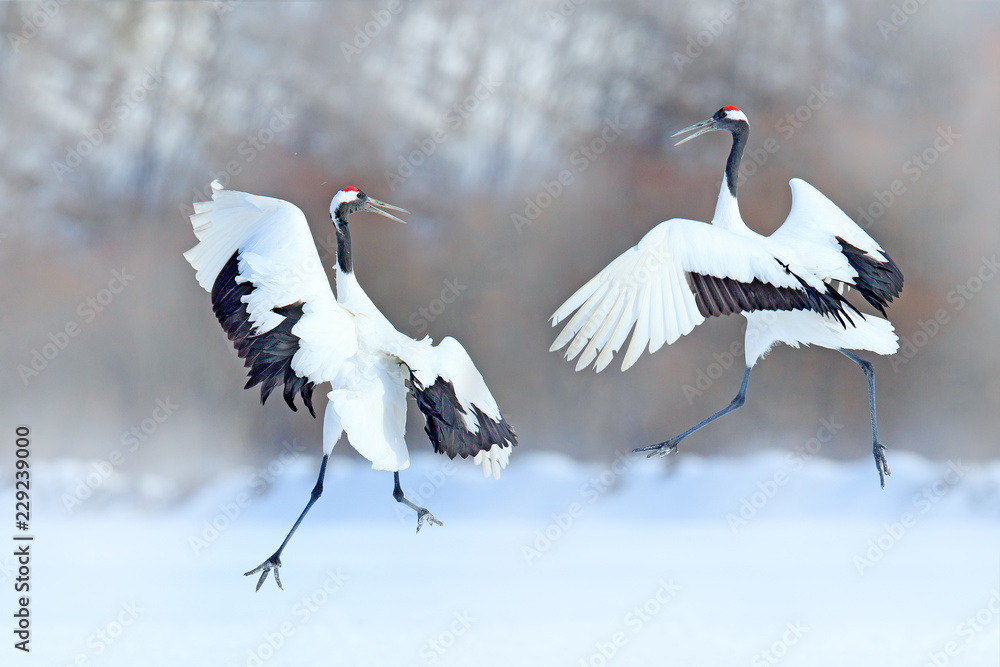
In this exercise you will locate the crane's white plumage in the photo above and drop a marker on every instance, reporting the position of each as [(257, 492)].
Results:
[(647, 286), (788, 285), (271, 294), (683, 271), (276, 255), (811, 230), (347, 342)]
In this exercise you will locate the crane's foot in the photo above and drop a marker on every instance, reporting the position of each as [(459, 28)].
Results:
[(274, 562), (880, 463), (662, 449), (424, 515)]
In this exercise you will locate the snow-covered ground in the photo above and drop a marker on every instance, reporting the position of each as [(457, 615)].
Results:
[(769, 559)]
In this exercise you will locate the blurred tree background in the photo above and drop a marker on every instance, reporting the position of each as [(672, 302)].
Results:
[(531, 142)]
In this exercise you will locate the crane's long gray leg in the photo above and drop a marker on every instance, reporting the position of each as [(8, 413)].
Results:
[(878, 449), (670, 445), (422, 514), (275, 560)]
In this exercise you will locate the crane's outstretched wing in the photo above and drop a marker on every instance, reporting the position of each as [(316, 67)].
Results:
[(853, 257), (680, 273), (257, 258), (463, 418)]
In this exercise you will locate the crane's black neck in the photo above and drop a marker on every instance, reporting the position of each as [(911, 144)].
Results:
[(740, 132), (343, 244)]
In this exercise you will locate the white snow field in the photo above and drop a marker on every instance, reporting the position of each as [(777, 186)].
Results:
[(776, 558)]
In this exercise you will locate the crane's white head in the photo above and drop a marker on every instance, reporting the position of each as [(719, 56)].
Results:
[(728, 118), (351, 200)]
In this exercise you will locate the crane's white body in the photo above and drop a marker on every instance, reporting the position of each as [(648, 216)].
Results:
[(646, 287), (787, 285), (344, 340)]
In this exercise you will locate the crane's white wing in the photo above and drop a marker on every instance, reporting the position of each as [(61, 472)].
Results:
[(681, 272), (463, 419), (270, 292), (830, 244)]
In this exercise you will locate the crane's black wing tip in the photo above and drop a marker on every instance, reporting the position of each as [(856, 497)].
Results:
[(446, 426), (878, 282), (268, 355)]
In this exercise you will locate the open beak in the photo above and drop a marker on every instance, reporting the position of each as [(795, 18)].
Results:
[(371, 203), (698, 128)]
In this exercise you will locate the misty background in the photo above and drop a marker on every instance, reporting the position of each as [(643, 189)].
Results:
[(531, 142)]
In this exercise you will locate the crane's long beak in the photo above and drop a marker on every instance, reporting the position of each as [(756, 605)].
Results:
[(698, 128), (371, 203)]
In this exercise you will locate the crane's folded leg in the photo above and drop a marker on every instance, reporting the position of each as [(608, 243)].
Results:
[(878, 449), (664, 448), (274, 562), (422, 514)]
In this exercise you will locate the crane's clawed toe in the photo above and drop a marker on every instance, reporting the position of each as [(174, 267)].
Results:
[(880, 463), (424, 515), (274, 562), (662, 449)]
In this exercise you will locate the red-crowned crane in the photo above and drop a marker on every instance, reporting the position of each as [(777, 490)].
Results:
[(257, 258), (788, 285)]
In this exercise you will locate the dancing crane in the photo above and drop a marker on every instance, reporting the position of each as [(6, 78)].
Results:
[(790, 285), (270, 293)]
